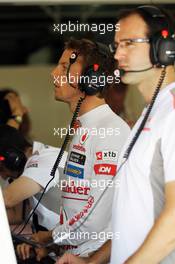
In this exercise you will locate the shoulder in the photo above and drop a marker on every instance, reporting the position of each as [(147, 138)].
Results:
[(44, 155), (111, 119), (111, 131), (169, 124)]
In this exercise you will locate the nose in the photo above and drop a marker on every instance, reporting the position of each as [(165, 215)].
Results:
[(54, 72), (120, 53), (55, 75)]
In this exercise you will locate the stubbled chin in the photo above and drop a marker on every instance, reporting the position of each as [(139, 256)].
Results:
[(124, 79), (56, 95), (57, 98)]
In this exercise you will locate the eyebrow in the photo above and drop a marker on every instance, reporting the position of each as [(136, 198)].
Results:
[(135, 40), (63, 63), (122, 40)]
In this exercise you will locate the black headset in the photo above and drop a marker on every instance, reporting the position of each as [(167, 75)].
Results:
[(12, 159), (162, 50), (92, 74)]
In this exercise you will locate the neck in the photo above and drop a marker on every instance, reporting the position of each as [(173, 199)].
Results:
[(89, 103), (148, 86)]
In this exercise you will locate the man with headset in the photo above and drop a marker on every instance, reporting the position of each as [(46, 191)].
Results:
[(93, 153), (28, 167), (144, 205)]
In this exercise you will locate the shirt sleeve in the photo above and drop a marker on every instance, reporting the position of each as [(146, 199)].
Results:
[(168, 148), (38, 168), (95, 216)]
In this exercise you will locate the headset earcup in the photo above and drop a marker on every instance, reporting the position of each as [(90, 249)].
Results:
[(159, 48), (165, 46), (15, 159), (92, 81)]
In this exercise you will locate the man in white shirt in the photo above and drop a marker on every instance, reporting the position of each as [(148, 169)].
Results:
[(93, 153), (29, 165), (144, 205)]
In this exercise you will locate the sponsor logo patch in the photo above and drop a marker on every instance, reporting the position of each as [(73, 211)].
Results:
[(107, 155), (83, 138), (105, 169), (77, 158), (34, 165), (81, 190), (79, 147), (75, 171), (85, 211)]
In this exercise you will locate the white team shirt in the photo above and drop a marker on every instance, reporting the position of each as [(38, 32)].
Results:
[(140, 198), (92, 159), (38, 168)]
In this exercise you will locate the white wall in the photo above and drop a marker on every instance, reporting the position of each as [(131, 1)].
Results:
[(35, 86)]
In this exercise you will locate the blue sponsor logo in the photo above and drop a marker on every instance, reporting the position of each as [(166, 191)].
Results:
[(75, 171)]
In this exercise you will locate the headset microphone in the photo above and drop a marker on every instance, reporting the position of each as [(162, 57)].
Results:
[(122, 71)]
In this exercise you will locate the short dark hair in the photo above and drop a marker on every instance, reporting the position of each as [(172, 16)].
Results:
[(5, 111), (11, 137), (5, 91), (91, 54), (155, 24)]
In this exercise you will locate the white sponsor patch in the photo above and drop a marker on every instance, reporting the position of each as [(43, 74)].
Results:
[(107, 155)]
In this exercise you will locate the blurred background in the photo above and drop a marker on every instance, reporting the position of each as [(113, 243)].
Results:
[(30, 46)]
